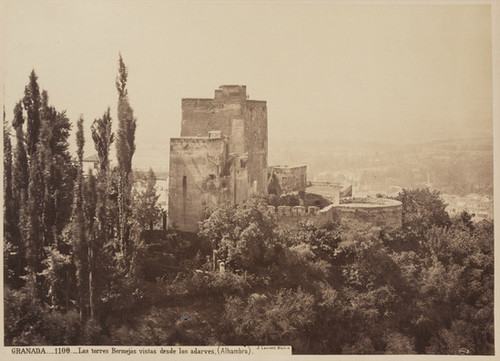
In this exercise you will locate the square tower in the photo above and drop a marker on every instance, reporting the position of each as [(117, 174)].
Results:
[(240, 169)]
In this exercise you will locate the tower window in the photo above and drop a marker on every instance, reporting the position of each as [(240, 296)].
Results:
[(184, 186)]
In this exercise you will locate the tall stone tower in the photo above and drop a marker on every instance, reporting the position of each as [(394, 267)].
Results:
[(220, 156)]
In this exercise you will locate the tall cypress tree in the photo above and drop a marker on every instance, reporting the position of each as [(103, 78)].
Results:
[(125, 148), (11, 239), (8, 220), (33, 225), (78, 224), (32, 105), (42, 187), (58, 171), (45, 159), (103, 137), (58, 178), (32, 215), (89, 211), (19, 188)]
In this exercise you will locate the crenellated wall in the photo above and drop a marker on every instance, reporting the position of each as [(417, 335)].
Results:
[(377, 211), (291, 216)]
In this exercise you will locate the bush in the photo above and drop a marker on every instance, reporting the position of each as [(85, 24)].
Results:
[(60, 328)]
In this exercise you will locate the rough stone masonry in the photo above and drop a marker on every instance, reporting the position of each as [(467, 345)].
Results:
[(221, 155)]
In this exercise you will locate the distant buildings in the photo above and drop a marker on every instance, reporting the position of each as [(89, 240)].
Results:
[(90, 164), (480, 206)]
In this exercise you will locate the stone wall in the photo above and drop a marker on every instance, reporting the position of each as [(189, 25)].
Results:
[(292, 216), (377, 211), (195, 179), (256, 143), (242, 121), (289, 179)]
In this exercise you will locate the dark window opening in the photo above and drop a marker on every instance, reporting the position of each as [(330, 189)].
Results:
[(184, 186)]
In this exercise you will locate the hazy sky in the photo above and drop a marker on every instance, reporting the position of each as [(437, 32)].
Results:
[(383, 72)]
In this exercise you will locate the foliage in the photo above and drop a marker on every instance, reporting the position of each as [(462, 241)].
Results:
[(422, 209), (103, 137), (78, 227), (276, 319), (125, 148), (145, 209), (243, 236)]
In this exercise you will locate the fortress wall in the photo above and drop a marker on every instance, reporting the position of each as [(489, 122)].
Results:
[(379, 212), (291, 179), (387, 214), (189, 169), (291, 216), (255, 140), (199, 116), (231, 162), (240, 187), (243, 121)]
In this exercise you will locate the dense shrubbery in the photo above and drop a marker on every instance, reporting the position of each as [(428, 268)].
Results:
[(427, 288), (348, 288)]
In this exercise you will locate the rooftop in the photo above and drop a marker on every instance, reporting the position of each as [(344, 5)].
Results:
[(93, 158)]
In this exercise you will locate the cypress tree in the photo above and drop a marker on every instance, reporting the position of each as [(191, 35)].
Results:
[(145, 209), (30, 222), (125, 148), (11, 239), (103, 137), (78, 224), (91, 234), (58, 168), (32, 104), (19, 187), (32, 225)]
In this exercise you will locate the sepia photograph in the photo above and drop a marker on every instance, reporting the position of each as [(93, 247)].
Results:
[(248, 178)]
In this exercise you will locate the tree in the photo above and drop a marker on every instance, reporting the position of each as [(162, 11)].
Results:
[(457, 290), (50, 188), (91, 235), (59, 173), (145, 209), (422, 209), (103, 137), (125, 148), (78, 229), (243, 236), (11, 237), (32, 105), (282, 318), (33, 225), (19, 188)]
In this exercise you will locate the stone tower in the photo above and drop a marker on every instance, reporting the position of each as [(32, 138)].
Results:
[(220, 156)]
